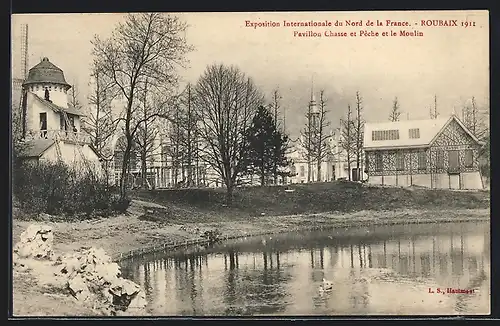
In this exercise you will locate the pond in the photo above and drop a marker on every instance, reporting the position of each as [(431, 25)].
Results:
[(379, 270)]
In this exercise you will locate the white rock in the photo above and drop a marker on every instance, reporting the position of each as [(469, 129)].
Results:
[(138, 301), (36, 241), (79, 288)]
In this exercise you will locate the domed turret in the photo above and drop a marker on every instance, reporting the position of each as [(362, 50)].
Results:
[(47, 81), (46, 72)]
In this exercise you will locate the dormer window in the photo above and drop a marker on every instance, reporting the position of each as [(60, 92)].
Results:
[(47, 95), (414, 133), (378, 135)]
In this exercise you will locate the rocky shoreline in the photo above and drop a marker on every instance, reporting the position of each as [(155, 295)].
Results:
[(88, 275)]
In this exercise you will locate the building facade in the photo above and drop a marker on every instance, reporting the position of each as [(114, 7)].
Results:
[(437, 153), (51, 128), (333, 167), (166, 166)]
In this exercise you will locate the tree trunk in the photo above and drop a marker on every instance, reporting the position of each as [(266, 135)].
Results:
[(309, 169), (275, 168), (349, 165), (123, 177), (357, 165), (144, 169), (262, 176), (319, 170), (175, 166), (229, 193)]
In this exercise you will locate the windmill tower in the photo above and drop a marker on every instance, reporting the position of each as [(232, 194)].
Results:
[(18, 94)]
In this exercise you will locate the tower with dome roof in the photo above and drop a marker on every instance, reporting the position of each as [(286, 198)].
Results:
[(51, 127)]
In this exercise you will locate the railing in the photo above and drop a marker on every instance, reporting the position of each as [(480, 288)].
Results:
[(77, 137)]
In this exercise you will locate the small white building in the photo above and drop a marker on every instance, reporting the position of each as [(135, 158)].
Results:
[(435, 153), (46, 133)]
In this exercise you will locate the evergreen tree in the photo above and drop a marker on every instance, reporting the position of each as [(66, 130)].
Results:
[(265, 146)]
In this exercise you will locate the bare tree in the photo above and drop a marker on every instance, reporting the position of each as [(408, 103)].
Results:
[(276, 107), (74, 95), (189, 140), (16, 123), (175, 149), (99, 123), (306, 140), (147, 46), (227, 101), (321, 141), (395, 112), (359, 128), (348, 138), (475, 120), (147, 133)]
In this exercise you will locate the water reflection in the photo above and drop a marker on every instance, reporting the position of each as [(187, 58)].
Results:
[(387, 270)]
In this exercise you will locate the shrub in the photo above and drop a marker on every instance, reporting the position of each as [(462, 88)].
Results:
[(58, 189)]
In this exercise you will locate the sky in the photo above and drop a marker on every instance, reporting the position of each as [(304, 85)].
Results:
[(449, 62)]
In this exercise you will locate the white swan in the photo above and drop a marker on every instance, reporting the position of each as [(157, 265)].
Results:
[(327, 285)]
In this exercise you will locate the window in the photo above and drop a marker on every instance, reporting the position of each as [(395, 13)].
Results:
[(422, 160), (385, 135), (414, 133), (62, 122), (440, 159), (71, 119), (293, 170), (378, 162), (453, 160), (400, 161), (43, 124), (43, 121), (469, 158), (302, 171)]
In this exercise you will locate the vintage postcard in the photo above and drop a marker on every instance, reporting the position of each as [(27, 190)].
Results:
[(251, 164)]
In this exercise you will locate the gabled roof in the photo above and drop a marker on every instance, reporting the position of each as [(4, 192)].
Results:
[(35, 147), (429, 130), (57, 108)]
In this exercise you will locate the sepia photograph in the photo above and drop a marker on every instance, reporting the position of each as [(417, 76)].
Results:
[(195, 164)]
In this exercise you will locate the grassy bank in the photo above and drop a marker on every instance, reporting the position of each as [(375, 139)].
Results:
[(310, 198)]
